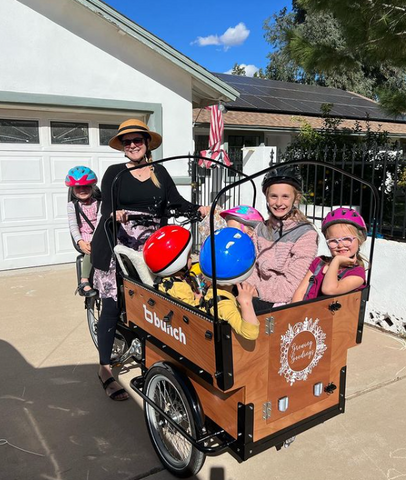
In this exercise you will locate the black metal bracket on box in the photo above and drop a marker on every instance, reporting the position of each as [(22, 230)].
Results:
[(224, 355)]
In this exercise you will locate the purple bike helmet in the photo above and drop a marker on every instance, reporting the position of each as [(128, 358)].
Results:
[(344, 215), (244, 214)]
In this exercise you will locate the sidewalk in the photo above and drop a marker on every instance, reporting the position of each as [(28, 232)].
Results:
[(53, 408)]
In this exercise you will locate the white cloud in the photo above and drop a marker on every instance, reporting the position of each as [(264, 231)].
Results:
[(249, 69), (232, 37)]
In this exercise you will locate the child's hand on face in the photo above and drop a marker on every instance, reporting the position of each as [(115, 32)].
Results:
[(344, 261), (198, 296), (84, 246), (245, 293)]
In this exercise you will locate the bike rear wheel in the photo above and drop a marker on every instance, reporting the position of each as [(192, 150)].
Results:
[(93, 311)]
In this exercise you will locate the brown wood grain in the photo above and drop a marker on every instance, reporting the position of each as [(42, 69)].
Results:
[(192, 343), (257, 364)]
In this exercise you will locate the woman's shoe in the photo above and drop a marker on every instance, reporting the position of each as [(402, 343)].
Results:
[(85, 293), (115, 394)]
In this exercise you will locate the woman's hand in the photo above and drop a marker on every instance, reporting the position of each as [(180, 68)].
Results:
[(121, 216), (84, 246), (204, 211)]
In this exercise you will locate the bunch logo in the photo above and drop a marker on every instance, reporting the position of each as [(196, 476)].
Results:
[(153, 319), (302, 347)]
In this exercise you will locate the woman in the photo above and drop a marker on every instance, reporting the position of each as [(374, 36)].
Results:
[(148, 191), (286, 243)]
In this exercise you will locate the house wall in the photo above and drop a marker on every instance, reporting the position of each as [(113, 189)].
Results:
[(62, 48), (387, 302)]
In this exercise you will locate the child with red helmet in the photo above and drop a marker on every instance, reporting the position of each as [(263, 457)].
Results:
[(167, 255), (345, 231), (82, 218)]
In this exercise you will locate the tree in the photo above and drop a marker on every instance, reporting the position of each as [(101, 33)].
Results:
[(238, 70), (369, 44)]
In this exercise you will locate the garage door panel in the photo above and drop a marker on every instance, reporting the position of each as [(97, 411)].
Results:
[(17, 208), (19, 244), (59, 202), (21, 170), (63, 242), (105, 161)]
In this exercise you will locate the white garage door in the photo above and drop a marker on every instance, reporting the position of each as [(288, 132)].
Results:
[(36, 152)]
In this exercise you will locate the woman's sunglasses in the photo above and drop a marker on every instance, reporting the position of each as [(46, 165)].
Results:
[(345, 241), (136, 141)]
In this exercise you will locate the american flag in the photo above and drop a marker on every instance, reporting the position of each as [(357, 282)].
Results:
[(215, 151)]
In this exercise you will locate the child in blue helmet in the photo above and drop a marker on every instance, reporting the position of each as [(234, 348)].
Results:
[(82, 218), (235, 260)]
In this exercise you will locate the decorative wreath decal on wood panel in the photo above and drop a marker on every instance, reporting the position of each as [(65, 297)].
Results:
[(302, 347)]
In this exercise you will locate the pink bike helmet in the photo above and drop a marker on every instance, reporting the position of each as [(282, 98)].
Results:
[(344, 215), (167, 250), (80, 176), (244, 214)]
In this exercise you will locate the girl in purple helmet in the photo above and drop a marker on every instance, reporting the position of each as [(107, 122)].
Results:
[(345, 232), (82, 217)]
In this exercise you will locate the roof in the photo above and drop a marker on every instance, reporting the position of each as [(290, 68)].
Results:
[(259, 95), (207, 88), (265, 121)]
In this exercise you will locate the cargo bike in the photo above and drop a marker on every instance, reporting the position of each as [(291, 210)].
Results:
[(206, 389)]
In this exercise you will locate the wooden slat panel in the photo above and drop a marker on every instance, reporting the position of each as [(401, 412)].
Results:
[(188, 339)]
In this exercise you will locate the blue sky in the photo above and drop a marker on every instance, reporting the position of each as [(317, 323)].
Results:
[(214, 33)]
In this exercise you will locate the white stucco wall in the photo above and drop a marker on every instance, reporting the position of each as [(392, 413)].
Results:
[(387, 302), (61, 48)]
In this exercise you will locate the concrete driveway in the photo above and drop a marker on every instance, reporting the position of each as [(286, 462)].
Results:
[(56, 423)]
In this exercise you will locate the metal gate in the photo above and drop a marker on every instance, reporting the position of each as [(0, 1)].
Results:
[(206, 183)]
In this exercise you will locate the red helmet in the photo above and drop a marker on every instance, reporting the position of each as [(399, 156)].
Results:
[(167, 250), (344, 215)]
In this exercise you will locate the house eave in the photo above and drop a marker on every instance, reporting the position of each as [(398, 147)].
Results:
[(214, 88)]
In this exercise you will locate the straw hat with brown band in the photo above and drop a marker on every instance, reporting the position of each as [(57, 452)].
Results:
[(135, 126)]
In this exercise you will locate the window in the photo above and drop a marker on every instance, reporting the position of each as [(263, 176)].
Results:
[(106, 132), (19, 131), (69, 133)]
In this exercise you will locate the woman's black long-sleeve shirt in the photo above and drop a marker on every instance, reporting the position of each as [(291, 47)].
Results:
[(133, 194)]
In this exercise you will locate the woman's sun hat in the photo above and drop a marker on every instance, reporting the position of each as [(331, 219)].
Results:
[(135, 126)]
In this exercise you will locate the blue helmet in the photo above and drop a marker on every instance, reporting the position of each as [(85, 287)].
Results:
[(80, 176), (235, 256)]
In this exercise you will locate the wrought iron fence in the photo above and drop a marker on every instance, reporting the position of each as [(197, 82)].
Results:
[(384, 166)]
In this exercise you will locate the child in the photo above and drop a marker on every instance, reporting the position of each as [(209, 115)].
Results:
[(82, 218), (235, 259), (345, 232), (243, 217), (286, 243), (167, 255)]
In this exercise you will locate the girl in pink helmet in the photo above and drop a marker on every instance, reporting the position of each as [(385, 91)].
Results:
[(243, 217), (345, 231), (82, 218)]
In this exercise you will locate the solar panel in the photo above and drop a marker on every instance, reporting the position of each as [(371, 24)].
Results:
[(262, 95)]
